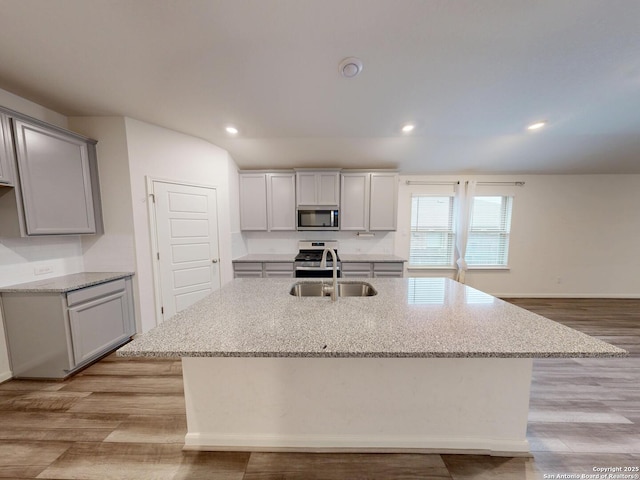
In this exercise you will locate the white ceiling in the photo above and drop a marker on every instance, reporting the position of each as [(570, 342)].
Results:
[(472, 74)]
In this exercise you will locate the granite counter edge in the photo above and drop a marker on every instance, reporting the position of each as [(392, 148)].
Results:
[(29, 288), (505, 355)]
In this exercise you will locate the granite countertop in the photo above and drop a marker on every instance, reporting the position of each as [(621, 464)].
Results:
[(370, 258), (65, 283), (409, 317), (344, 257), (266, 257)]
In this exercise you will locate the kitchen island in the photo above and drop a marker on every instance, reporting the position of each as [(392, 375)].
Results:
[(427, 364)]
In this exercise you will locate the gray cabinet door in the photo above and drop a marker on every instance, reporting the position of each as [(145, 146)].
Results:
[(355, 201), (253, 201), (306, 188), (99, 324), (328, 186), (6, 152), (55, 178), (318, 188), (384, 201), (281, 201)]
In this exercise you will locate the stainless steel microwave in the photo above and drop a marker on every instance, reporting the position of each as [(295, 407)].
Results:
[(318, 218)]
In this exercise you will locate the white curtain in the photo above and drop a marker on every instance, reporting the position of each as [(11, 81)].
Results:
[(464, 201)]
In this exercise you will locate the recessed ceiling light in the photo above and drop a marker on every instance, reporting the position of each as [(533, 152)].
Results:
[(408, 128), (536, 126), (350, 67), (232, 130)]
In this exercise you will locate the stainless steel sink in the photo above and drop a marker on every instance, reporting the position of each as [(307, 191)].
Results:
[(308, 290), (347, 289), (356, 289)]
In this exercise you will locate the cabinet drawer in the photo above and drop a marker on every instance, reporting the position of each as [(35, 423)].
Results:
[(278, 266), (242, 266), (279, 274), (387, 267), (377, 274), (247, 274), (356, 274), (89, 293), (356, 266)]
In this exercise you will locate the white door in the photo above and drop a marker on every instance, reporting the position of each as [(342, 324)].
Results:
[(187, 242)]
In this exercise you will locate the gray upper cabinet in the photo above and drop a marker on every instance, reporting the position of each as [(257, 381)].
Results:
[(354, 209), (318, 188), (55, 179), (281, 197), (6, 152), (253, 201), (267, 201), (55, 189), (369, 201), (383, 206)]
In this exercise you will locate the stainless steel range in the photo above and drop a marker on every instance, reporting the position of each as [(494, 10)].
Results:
[(307, 262)]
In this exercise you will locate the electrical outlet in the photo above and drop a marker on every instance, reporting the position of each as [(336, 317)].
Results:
[(43, 270)]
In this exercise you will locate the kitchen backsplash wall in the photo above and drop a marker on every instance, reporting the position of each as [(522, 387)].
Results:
[(287, 242), (36, 258), (238, 245), (29, 259)]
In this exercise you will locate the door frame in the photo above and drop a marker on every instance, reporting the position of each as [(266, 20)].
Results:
[(153, 235)]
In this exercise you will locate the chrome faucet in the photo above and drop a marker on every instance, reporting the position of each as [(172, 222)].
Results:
[(323, 264)]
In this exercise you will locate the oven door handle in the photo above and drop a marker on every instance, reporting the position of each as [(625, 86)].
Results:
[(318, 269)]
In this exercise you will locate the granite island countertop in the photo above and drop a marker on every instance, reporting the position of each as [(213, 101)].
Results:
[(409, 317), (65, 283)]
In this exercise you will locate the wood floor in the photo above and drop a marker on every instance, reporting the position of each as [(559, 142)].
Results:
[(124, 419)]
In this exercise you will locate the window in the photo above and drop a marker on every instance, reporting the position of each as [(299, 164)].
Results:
[(488, 243), (432, 238)]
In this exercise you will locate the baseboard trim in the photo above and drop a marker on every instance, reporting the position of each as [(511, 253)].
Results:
[(356, 444), (4, 376)]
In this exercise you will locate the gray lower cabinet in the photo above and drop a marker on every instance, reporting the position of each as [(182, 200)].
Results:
[(247, 270), (372, 270), (52, 335), (278, 270), (356, 270), (388, 269), (263, 270)]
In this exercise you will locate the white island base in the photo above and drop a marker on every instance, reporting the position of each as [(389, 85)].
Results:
[(443, 405)]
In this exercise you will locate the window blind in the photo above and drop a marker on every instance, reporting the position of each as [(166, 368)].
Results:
[(426, 291), (488, 243), (432, 238)]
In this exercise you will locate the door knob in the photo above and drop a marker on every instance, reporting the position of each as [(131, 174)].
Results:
[(214, 260)]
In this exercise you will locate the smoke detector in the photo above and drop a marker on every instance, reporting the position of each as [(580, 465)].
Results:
[(350, 67)]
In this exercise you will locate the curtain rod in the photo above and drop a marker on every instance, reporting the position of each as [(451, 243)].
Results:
[(514, 184), (418, 182)]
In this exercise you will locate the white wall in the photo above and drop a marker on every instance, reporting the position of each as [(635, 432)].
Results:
[(287, 242), (115, 249), (165, 154), (571, 236), (20, 256)]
